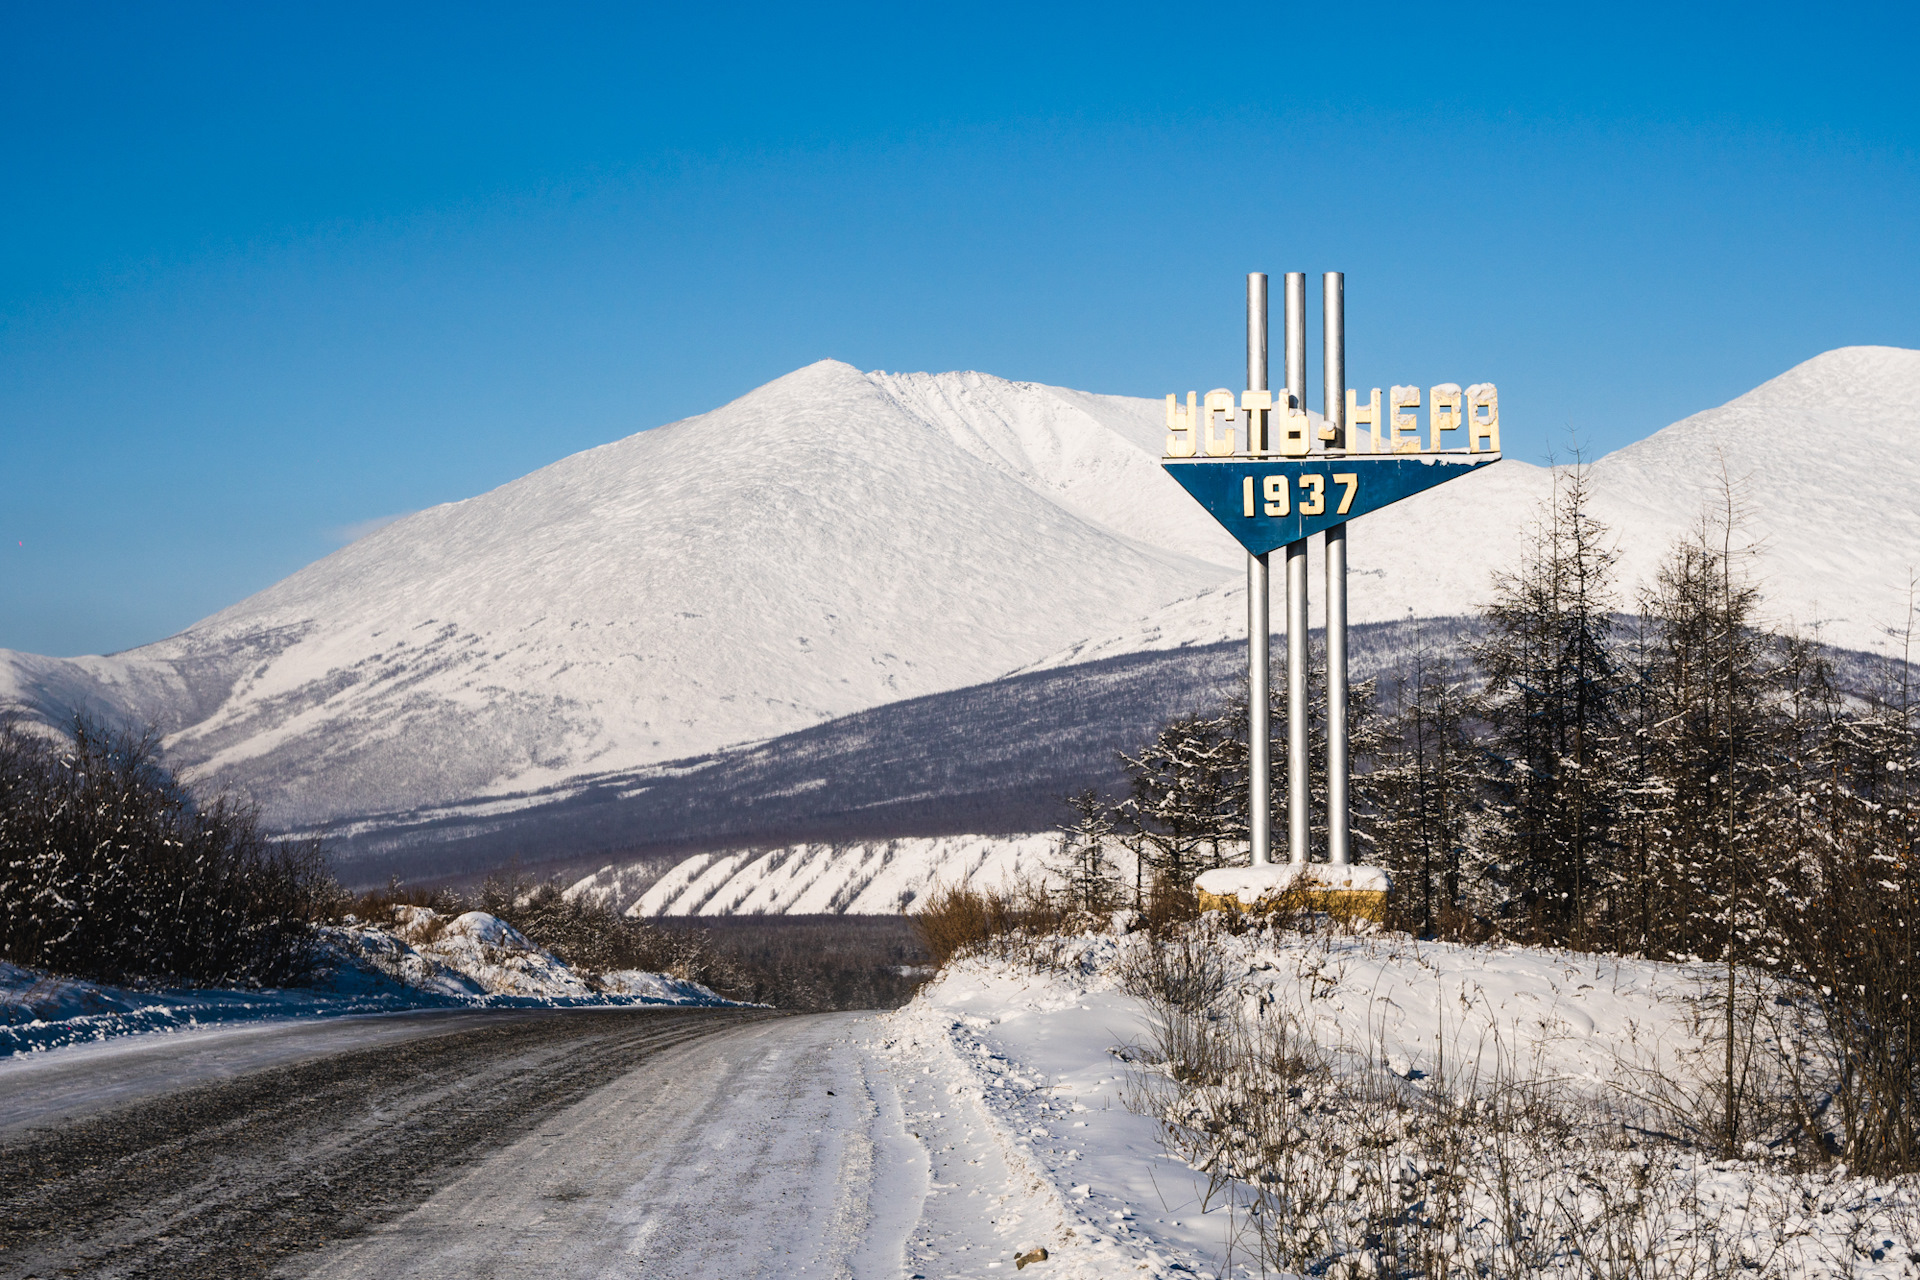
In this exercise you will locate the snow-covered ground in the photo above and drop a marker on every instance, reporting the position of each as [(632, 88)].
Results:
[(421, 960), (1011, 1081), (1005, 1066), (1008, 1109)]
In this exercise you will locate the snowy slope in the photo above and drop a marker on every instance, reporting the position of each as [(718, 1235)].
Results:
[(811, 549), (1826, 462), (419, 961), (1005, 1066), (835, 541), (876, 877)]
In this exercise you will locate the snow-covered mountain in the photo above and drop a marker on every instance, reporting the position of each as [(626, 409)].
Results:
[(829, 542), (835, 541)]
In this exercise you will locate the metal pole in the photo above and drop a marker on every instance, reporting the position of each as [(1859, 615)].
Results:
[(1259, 618), (1298, 814), (1333, 328)]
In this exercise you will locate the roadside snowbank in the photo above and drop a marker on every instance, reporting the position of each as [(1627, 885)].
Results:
[(422, 960), (1037, 1068), (1002, 1064)]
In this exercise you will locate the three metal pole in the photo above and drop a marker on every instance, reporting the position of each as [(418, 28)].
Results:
[(1259, 731), (1259, 746)]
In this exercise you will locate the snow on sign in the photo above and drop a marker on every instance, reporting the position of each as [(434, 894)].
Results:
[(1257, 466), (1268, 498)]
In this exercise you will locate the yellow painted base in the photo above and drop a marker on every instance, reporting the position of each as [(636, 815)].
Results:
[(1358, 905)]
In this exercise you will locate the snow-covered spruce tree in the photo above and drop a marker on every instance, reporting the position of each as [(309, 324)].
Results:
[(111, 869), (1426, 788), (1084, 862), (1552, 703), (1185, 809)]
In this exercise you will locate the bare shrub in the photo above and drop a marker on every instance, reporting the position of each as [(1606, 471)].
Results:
[(1854, 943), (112, 869), (818, 962), (1182, 974), (1010, 921), (1330, 1164), (378, 904)]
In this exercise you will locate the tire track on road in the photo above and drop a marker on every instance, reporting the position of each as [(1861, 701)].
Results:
[(235, 1178)]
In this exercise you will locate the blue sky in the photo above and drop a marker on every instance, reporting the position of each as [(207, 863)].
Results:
[(269, 272)]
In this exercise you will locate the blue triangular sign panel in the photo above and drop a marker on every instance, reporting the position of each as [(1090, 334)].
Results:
[(1268, 502)]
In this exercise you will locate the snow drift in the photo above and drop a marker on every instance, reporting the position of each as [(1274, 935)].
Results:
[(1044, 1069), (421, 959)]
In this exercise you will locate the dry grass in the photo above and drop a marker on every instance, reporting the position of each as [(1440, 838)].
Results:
[(961, 920), (1330, 1165)]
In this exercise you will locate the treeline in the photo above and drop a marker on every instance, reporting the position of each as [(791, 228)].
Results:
[(1660, 777), (112, 869)]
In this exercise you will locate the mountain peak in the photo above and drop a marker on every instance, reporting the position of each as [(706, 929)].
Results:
[(1865, 382)]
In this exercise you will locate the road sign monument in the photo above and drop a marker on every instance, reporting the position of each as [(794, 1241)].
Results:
[(1261, 467)]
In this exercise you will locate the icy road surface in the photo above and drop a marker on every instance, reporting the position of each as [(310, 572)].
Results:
[(232, 1175), (768, 1150), (643, 1143), (50, 1088)]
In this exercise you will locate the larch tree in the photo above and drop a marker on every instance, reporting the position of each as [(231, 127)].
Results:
[(1425, 787), (1552, 704)]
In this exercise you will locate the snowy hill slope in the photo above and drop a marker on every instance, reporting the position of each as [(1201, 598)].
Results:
[(1826, 460), (836, 541), (814, 548)]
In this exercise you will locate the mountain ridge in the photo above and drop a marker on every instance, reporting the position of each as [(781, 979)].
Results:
[(837, 540)]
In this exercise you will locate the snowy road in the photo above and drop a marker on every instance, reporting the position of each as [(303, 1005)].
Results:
[(43, 1089), (237, 1175), (655, 1143), (772, 1149), (634, 1143)]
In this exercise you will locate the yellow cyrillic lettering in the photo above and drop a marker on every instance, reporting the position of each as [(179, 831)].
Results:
[(1368, 413), (1219, 401), (1181, 436), (1443, 411), (1405, 434), (1483, 417)]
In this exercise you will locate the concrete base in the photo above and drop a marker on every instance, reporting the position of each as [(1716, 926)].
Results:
[(1346, 893)]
